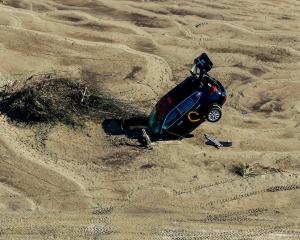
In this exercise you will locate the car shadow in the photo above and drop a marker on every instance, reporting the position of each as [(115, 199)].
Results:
[(131, 128)]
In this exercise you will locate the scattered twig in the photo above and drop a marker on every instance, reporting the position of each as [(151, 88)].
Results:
[(83, 95)]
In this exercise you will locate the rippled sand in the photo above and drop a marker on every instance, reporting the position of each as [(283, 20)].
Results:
[(63, 183)]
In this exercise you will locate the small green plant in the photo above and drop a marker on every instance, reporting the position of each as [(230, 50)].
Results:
[(244, 170)]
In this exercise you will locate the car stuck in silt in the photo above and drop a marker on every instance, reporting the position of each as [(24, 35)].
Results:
[(197, 99)]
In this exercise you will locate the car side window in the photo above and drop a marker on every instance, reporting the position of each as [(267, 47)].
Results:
[(188, 103), (171, 118), (181, 109)]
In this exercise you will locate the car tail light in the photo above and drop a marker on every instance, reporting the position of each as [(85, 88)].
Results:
[(213, 89)]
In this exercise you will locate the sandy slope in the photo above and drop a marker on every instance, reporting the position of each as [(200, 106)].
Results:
[(61, 183)]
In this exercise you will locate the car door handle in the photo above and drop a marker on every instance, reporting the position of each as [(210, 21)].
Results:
[(198, 106), (180, 123)]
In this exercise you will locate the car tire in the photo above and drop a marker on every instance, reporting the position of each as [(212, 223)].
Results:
[(214, 114)]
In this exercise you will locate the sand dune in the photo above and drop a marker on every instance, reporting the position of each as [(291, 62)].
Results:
[(61, 182)]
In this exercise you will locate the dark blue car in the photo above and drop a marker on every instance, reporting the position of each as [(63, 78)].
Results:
[(198, 98)]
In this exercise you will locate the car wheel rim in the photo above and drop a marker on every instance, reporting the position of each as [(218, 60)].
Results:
[(214, 115)]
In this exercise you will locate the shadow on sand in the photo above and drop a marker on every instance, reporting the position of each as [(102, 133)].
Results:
[(131, 128)]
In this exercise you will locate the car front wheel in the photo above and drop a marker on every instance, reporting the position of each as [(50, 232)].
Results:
[(214, 114)]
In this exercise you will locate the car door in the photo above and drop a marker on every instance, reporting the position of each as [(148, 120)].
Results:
[(177, 122)]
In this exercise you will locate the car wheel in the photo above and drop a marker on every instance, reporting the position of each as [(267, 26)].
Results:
[(214, 114)]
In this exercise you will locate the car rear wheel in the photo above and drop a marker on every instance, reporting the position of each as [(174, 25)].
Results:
[(214, 114)]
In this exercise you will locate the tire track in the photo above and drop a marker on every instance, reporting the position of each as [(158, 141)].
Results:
[(250, 233), (197, 188), (234, 216), (253, 193)]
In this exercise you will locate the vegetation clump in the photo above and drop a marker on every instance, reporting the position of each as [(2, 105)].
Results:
[(244, 170), (50, 98)]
